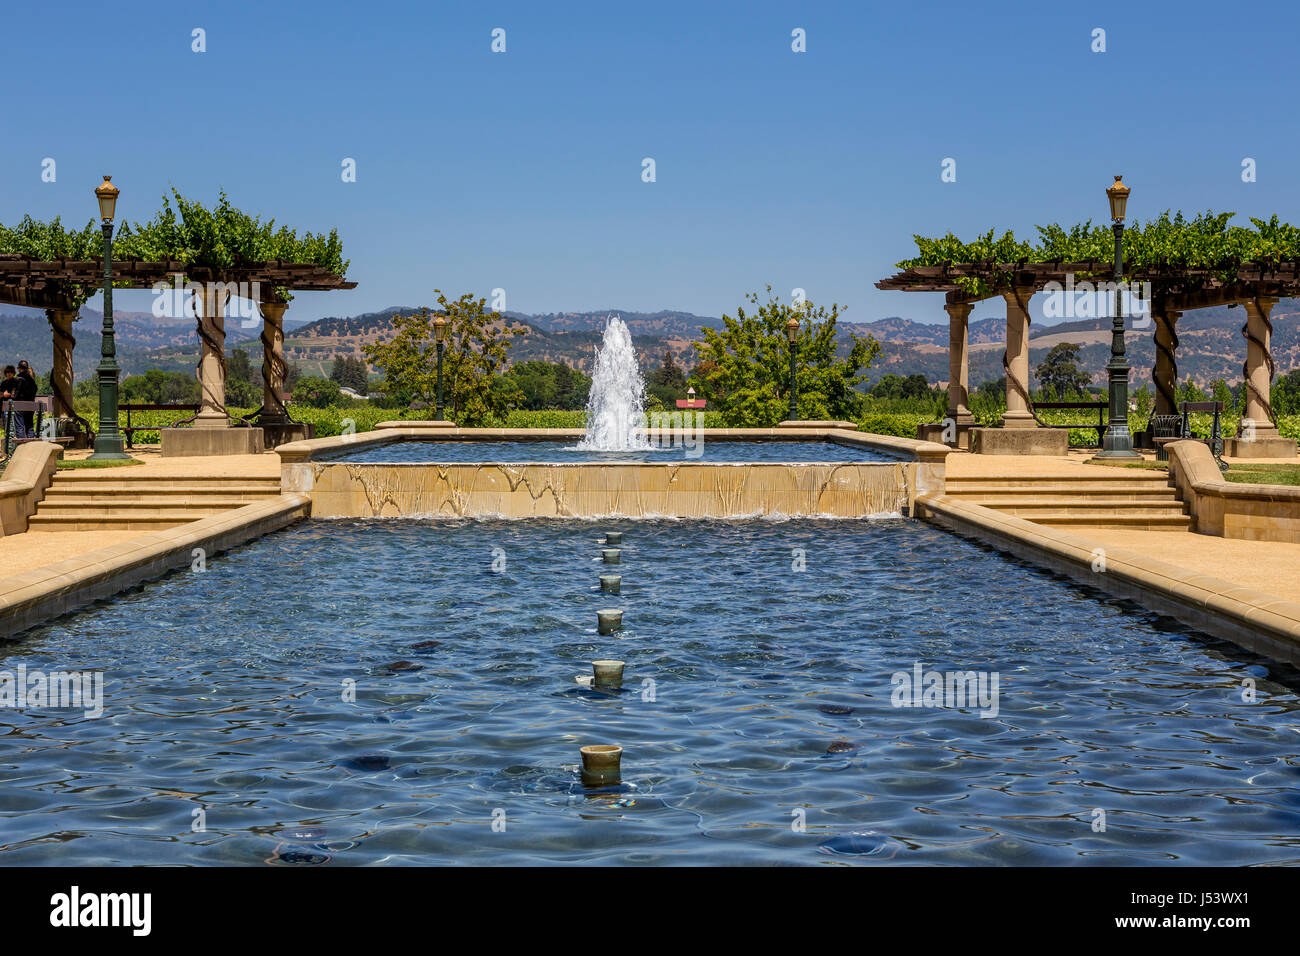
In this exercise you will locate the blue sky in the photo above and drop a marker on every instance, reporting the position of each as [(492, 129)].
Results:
[(523, 170)]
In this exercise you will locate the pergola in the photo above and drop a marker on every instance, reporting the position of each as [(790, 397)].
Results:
[(1174, 290), (60, 286)]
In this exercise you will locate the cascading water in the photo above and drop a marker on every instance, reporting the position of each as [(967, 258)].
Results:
[(616, 405)]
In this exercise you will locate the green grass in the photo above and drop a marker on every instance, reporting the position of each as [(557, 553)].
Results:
[(1264, 474), (1148, 465), (87, 463)]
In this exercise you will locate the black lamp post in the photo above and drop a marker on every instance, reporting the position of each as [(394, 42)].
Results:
[(792, 333), (108, 440), (439, 337), (1117, 442)]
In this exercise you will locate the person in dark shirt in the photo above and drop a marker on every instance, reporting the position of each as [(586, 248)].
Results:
[(26, 392), (9, 392)]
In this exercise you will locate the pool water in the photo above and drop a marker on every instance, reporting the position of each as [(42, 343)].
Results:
[(755, 717), (707, 451)]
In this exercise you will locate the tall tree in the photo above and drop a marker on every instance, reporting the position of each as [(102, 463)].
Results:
[(745, 369), (1060, 373), (477, 349)]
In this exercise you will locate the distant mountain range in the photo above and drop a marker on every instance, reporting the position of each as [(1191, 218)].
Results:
[(1212, 345)]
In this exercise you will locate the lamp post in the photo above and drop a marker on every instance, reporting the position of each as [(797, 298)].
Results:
[(1117, 442), (108, 440), (439, 337), (792, 333)]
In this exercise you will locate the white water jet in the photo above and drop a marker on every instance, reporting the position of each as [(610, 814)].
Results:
[(616, 405)]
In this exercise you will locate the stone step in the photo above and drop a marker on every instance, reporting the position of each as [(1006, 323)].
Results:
[(207, 503), (38, 525), (1135, 480), (214, 491), (1037, 512), (1065, 503), (971, 492), (116, 479), (162, 488), (1130, 522)]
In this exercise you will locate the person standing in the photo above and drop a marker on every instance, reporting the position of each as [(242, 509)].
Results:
[(8, 391), (25, 392)]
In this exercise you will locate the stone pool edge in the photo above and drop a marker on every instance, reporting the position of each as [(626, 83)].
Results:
[(43, 594), (690, 489), (1255, 620)]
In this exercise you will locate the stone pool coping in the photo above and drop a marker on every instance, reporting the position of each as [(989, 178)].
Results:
[(386, 433), (37, 596), (1252, 619)]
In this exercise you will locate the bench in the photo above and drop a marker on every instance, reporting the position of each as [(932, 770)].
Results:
[(1170, 428), (12, 409), (1100, 407), (129, 430)]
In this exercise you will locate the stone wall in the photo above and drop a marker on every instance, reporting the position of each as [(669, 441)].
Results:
[(26, 477), (687, 490), (1228, 509)]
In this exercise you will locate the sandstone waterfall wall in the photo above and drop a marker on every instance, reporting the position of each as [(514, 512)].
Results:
[(587, 490)]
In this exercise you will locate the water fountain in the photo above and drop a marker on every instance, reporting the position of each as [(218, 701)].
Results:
[(616, 405)]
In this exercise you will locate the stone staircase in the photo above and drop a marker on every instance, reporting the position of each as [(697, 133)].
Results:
[(1130, 498), (108, 500)]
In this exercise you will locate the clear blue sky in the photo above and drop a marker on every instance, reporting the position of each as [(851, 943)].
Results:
[(522, 170)]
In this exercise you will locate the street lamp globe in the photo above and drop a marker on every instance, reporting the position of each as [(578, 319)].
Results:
[(106, 193), (1117, 193)]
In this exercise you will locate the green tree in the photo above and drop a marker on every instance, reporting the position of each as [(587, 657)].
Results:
[(1220, 392), (1189, 391), (1286, 393), (317, 392), (1145, 400), (240, 392), (547, 385), (667, 382), (477, 349), (745, 372), (156, 387), (1060, 373)]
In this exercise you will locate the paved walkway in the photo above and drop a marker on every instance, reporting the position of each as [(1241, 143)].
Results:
[(36, 549), (1270, 566), (219, 466)]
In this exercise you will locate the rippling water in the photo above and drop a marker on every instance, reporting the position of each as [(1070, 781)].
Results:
[(771, 708), (708, 451)]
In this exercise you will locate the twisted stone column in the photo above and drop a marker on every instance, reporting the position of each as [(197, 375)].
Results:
[(212, 360), (274, 368), (1165, 372), (958, 363), (61, 372), (1259, 368), (1015, 361)]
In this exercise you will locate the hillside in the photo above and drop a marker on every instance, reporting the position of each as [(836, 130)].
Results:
[(1211, 346)]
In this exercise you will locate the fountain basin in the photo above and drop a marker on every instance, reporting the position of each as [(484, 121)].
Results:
[(885, 478)]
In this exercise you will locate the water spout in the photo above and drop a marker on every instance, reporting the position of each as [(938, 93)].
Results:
[(616, 406)]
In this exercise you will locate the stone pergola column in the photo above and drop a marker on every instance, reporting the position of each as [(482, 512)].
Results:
[(1259, 367), (61, 372), (1016, 360), (958, 362), (274, 368), (212, 360), (1164, 374)]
